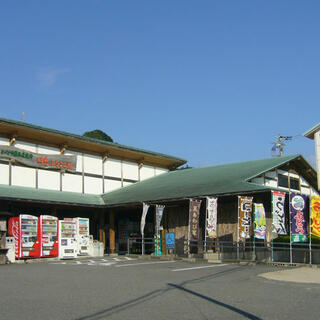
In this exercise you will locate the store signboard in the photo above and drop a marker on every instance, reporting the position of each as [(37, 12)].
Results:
[(37, 160)]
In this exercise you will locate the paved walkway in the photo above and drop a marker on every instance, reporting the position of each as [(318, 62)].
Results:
[(301, 275)]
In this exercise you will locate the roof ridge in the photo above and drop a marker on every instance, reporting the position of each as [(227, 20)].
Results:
[(78, 136)]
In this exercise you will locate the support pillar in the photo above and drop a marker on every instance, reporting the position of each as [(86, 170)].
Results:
[(102, 231), (112, 233)]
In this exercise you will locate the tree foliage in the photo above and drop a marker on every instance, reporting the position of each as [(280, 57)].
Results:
[(98, 134)]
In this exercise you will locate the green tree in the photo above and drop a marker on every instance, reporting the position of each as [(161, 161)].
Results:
[(98, 134)]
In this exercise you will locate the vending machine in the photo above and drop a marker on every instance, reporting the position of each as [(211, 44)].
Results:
[(67, 238), (48, 234), (24, 229), (83, 236)]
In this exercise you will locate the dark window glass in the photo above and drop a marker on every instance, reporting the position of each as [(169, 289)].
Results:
[(294, 184), (282, 181)]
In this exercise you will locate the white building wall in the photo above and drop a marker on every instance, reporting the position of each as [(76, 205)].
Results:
[(112, 168), (160, 171), (110, 185), (305, 187), (92, 164), (23, 176), (130, 170), (4, 174), (4, 168), (146, 172), (48, 179), (25, 145), (71, 182), (92, 185), (88, 176)]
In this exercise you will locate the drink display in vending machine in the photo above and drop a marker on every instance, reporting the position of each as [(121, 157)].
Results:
[(24, 229), (67, 238), (83, 236), (48, 234)]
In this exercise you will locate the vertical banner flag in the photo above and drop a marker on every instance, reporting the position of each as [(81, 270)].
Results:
[(245, 217), (298, 220), (212, 204), (278, 214), (143, 217), (260, 222), (194, 213), (159, 213), (315, 215)]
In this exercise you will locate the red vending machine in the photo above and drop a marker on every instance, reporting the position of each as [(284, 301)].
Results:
[(24, 229), (48, 234)]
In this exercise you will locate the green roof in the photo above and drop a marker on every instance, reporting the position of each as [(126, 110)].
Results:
[(76, 136), (181, 184), (215, 180), (43, 195)]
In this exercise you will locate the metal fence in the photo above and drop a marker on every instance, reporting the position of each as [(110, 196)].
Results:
[(257, 251)]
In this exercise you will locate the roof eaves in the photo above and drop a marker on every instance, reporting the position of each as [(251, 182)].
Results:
[(285, 160), (310, 133), (97, 141)]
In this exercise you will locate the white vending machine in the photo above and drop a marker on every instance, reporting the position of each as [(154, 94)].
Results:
[(48, 230), (67, 238), (83, 236)]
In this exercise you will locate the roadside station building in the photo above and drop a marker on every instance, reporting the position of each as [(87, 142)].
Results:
[(36, 179), (45, 171), (226, 182)]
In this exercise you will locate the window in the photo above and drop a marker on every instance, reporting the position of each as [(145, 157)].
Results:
[(283, 182)]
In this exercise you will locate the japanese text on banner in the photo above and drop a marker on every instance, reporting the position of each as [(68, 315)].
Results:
[(245, 217), (212, 204), (278, 213), (194, 213)]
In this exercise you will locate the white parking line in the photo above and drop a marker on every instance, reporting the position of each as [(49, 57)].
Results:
[(203, 267), (142, 263)]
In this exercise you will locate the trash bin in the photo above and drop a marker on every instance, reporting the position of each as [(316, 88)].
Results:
[(10, 242), (90, 247)]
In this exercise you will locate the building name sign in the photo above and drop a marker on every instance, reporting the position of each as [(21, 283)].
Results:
[(37, 160)]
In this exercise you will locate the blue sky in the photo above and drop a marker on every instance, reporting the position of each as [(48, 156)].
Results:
[(209, 81)]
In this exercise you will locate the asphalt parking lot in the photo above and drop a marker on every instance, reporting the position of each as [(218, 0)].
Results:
[(128, 288)]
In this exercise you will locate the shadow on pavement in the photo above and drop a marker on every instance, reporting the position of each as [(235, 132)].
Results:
[(171, 286), (219, 303)]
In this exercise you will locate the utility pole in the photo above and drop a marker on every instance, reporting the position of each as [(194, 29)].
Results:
[(279, 145)]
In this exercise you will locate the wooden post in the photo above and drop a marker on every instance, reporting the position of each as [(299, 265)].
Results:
[(112, 234), (102, 231)]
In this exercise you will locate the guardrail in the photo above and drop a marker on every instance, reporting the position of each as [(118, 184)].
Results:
[(259, 251)]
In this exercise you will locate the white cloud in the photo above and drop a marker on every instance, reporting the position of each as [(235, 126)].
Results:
[(48, 76)]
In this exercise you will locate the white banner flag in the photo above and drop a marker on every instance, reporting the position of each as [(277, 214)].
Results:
[(159, 213), (212, 205), (278, 214), (143, 217)]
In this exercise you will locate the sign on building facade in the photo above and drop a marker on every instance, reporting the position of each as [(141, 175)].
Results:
[(37, 160)]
